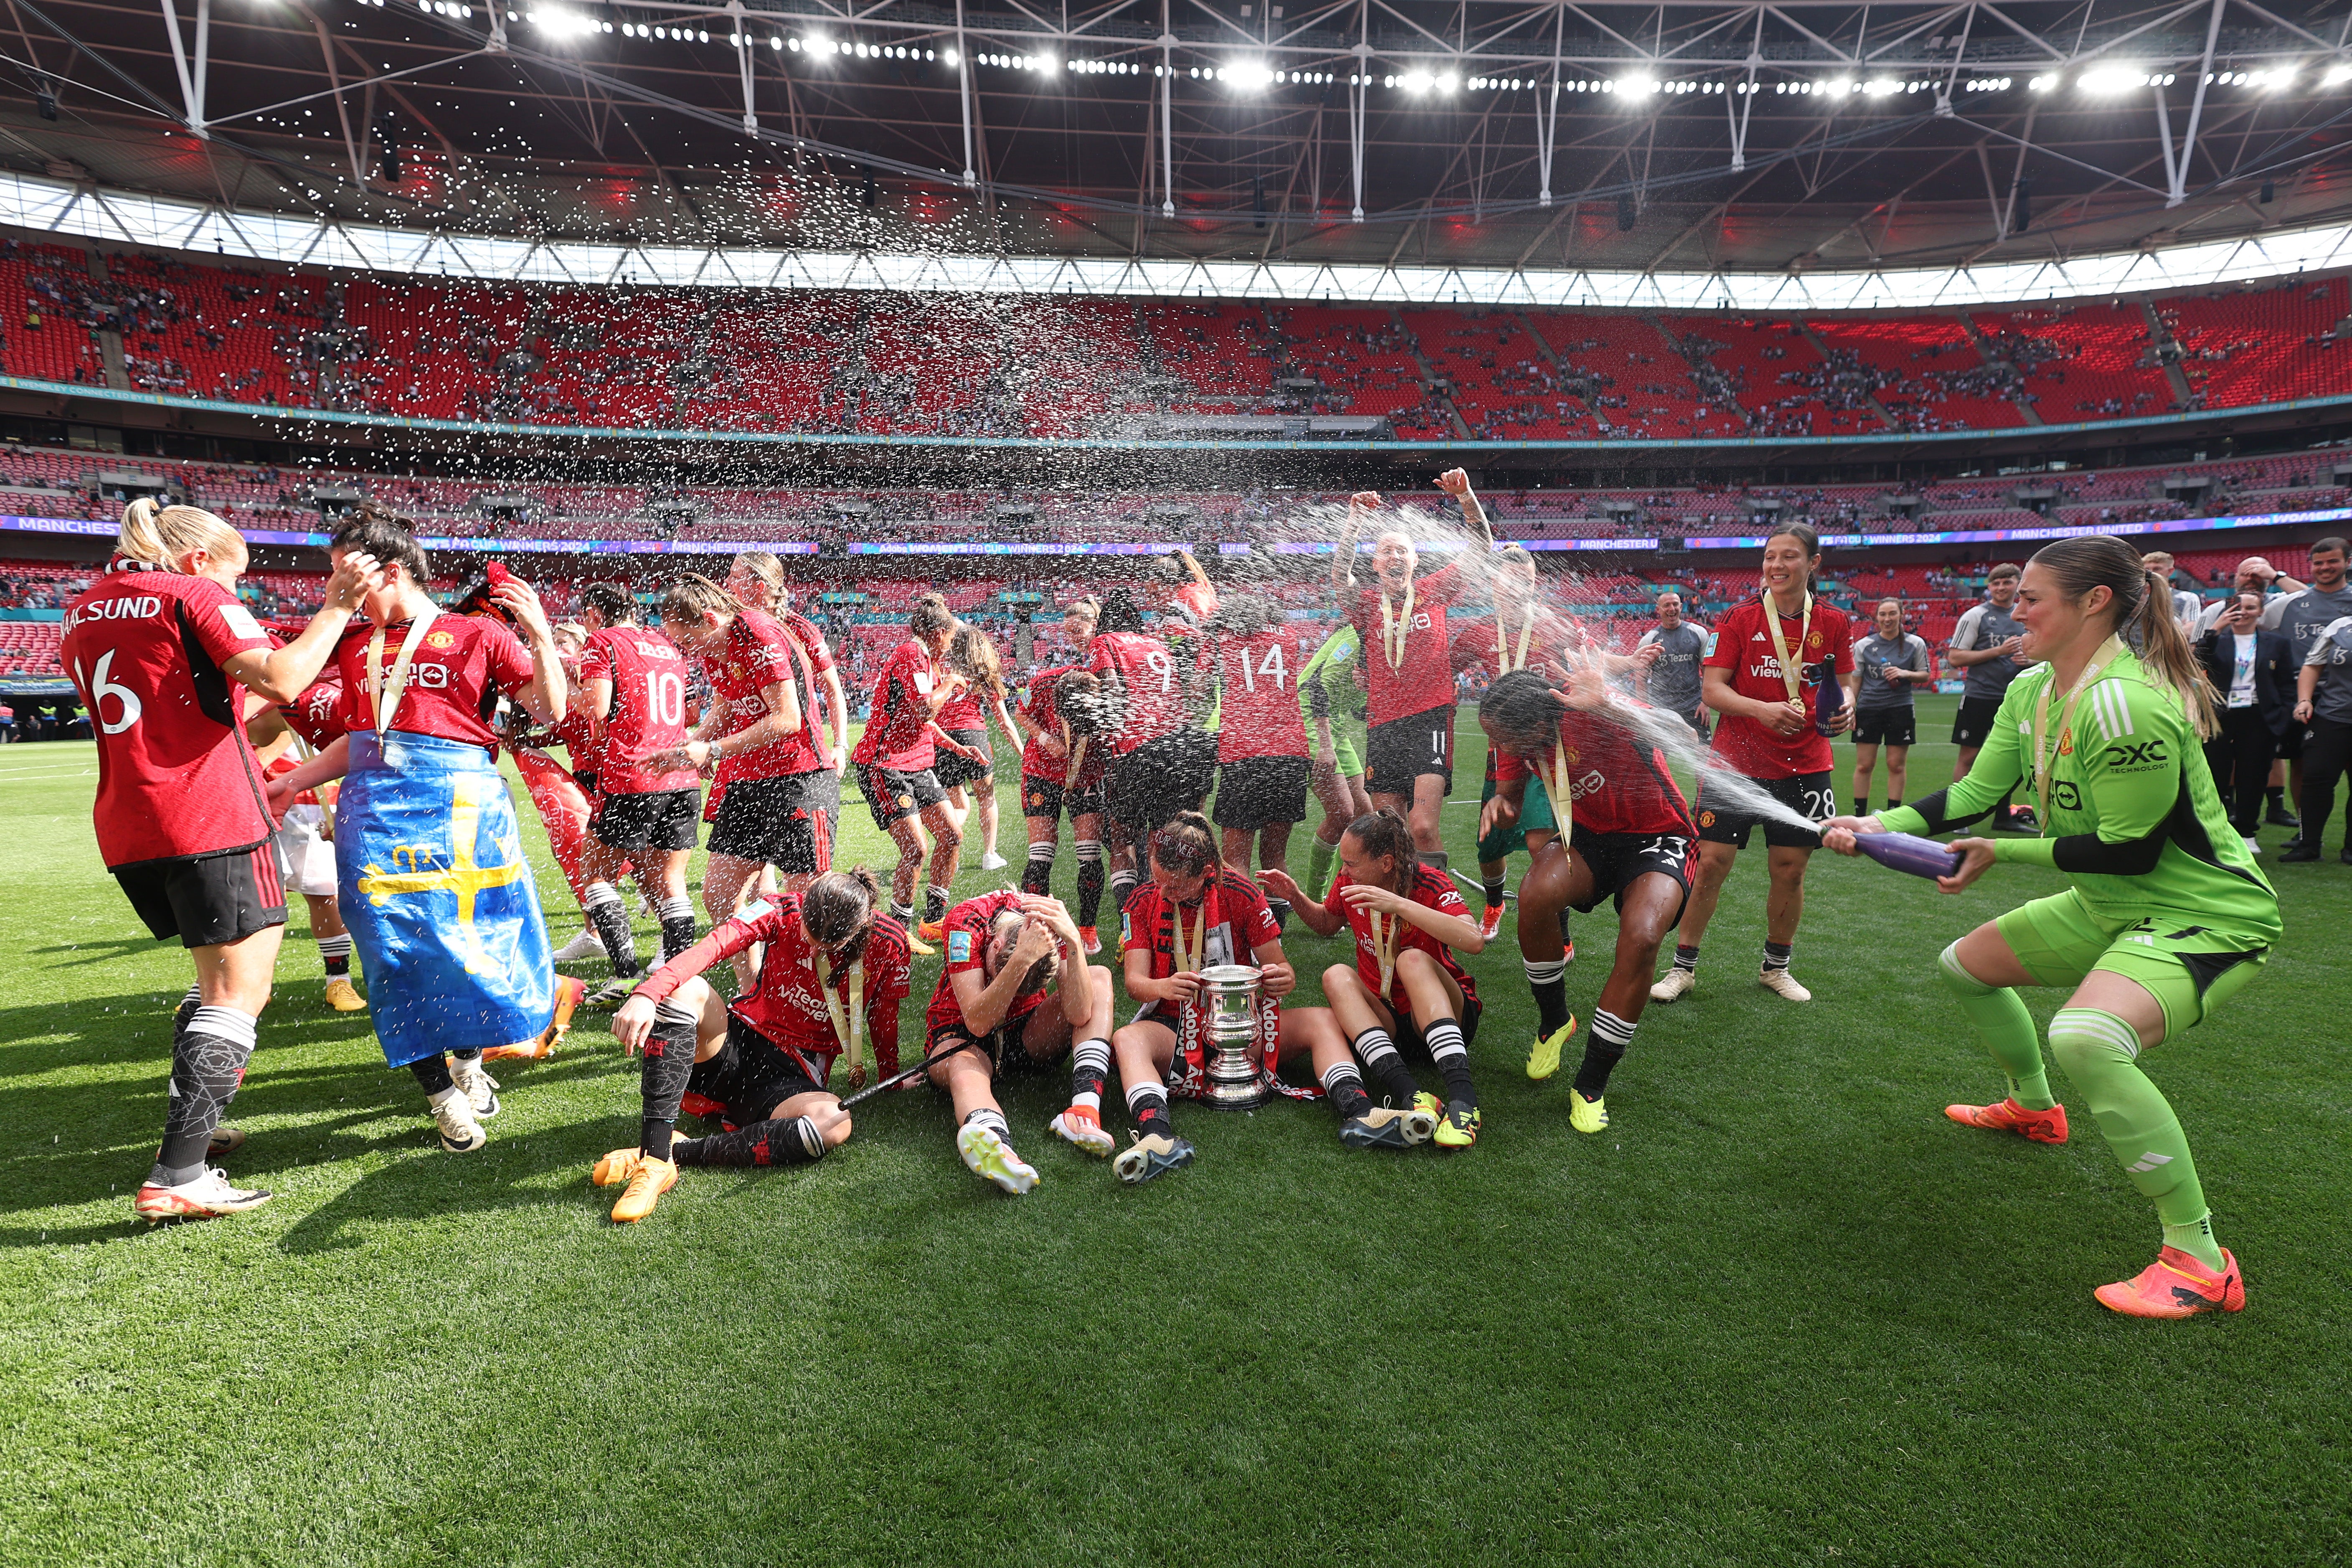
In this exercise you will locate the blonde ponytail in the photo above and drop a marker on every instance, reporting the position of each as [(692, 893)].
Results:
[(154, 534)]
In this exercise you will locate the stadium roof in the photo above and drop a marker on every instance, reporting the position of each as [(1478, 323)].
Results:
[(1684, 137)]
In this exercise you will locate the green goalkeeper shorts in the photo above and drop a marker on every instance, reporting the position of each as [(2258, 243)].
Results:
[(2189, 969), (1535, 817)]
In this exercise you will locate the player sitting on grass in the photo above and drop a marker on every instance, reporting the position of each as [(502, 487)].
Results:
[(1007, 953), (2169, 914), (1406, 984), (1193, 915), (834, 974), (1629, 838)]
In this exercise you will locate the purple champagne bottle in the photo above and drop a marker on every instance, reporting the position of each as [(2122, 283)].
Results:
[(1829, 699), (1908, 852)]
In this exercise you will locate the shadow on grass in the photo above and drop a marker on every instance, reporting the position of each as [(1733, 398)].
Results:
[(504, 1176)]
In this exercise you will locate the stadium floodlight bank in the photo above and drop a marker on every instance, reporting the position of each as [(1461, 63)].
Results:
[(107, 216)]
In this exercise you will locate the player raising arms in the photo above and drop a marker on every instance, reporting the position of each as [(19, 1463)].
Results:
[(183, 819), (1261, 755), (2169, 914), (1401, 619), (647, 817), (758, 741), (894, 757), (835, 971), (1525, 633), (1408, 919), (1007, 953), (1161, 762), (1629, 840), (1771, 656), (1063, 767), (1331, 706)]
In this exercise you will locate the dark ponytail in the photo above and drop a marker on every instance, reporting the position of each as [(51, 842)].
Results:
[(839, 906), (1384, 832), (1521, 704), (2141, 611)]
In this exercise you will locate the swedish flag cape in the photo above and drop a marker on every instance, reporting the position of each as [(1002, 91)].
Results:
[(432, 881)]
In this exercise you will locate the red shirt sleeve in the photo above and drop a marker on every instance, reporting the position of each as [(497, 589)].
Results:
[(819, 657), (596, 659), (1723, 653), (505, 660), (222, 623)]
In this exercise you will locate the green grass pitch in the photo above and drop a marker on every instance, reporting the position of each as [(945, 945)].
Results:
[(1781, 1311)]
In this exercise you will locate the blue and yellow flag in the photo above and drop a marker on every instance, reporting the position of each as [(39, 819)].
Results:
[(432, 884)]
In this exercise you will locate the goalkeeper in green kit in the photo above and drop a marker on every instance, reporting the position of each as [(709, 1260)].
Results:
[(2169, 915)]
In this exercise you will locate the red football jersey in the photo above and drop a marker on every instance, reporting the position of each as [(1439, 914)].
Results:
[(1618, 779), (897, 731), (761, 651), (786, 1006), (1434, 889), (649, 677), (967, 934), (965, 711), (145, 647), (1743, 645), (1552, 637), (1054, 767), (1231, 915), (1420, 679), (318, 714), (1258, 713), (1153, 681), (461, 666)]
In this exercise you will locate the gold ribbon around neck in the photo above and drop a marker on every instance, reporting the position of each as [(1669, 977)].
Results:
[(383, 694), (1792, 675)]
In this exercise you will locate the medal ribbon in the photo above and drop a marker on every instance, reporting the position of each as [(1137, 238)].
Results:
[(849, 1022), (1563, 807), (1792, 675), (1503, 654), (384, 695), (2044, 761), (1395, 631), (1388, 934)]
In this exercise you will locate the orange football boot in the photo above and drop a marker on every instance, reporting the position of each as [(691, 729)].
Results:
[(2008, 1116), (569, 994), (1491, 921), (2178, 1286)]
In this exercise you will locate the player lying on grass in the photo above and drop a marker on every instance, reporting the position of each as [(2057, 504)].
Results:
[(830, 987), (1629, 840), (2169, 914), (1008, 954), (1406, 987), (1192, 915)]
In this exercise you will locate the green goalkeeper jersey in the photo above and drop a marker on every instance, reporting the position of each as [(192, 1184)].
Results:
[(2134, 819), (1326, 682)]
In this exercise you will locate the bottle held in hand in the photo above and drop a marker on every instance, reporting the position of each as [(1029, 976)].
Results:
[(1829, 699), (1909, 852)]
